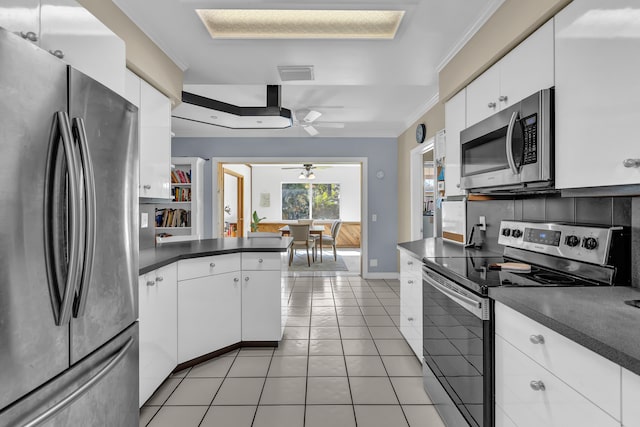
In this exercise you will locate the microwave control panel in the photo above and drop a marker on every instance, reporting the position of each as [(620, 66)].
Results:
[(530, 134)]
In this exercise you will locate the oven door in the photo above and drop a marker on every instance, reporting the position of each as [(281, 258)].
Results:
[(458, 351)]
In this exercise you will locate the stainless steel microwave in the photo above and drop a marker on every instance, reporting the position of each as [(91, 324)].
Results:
[(512, 150)]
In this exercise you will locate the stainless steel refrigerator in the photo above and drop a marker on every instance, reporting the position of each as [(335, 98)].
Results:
[(68, 245)]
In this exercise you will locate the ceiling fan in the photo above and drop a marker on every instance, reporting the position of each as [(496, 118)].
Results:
[(307, 170), (306, 119)]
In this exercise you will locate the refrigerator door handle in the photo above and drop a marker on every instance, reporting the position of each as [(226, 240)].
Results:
[(89, 215), (62, 130), (77, 393)]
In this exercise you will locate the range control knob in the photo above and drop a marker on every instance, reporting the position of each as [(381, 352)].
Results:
[(516, 233), (590, 243), (572, 241), (506, 232)]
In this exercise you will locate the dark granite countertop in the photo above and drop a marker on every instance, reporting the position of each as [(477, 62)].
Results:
[(594, 317), (167, 253)]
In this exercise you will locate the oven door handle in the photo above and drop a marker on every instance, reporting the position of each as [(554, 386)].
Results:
[(509, 147), (474, 306)]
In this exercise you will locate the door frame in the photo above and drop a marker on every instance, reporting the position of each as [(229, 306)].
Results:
[(239, 201), (218, 162), (416, 186)]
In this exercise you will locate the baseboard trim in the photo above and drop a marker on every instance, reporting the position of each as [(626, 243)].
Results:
[(382, 275), (227, 349)]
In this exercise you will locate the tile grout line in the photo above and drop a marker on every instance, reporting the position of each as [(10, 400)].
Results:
[(219, 388)]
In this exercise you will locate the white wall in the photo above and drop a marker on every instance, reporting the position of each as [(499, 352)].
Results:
[(269, 179), (245, 171)]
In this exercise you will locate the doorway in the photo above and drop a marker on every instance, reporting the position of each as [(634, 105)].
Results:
[(422, 177), (232, 215)]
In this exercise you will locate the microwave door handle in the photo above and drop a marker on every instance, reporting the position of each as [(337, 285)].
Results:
[(509, 145)]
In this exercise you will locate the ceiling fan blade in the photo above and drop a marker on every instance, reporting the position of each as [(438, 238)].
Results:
[(310, 130), (311, 116), (335, 125)]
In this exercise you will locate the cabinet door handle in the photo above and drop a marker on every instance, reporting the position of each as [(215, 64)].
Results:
[(537, 385), (235, 279), (260, 260), (503, 98), (409, 262), (410, 282), (410, 319), (536, 339), (30, 35), (212, 265), (151, 283), (631, 163), (246, 279), (159, 279), (146, 187), (57, 53), (491, 105)]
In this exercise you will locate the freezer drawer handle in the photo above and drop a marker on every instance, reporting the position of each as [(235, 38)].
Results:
[(56, 262), (89, 217), (82, 389)]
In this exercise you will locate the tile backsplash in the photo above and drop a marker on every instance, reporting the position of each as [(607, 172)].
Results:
[(623, 211)]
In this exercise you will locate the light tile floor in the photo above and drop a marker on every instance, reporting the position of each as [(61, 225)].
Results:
[(342, 363)]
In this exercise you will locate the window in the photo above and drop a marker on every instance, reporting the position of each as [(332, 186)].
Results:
[(310, 201)]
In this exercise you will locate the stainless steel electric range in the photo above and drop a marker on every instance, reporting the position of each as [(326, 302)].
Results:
[(458, 326)]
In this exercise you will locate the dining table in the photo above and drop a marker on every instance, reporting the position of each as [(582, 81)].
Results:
[(313, 229)]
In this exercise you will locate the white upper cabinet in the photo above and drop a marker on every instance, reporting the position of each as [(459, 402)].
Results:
[(70, 32), (597, 46), (525, 70), (455, 118)]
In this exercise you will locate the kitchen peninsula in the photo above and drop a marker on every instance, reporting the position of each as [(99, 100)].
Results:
[(200, 299)]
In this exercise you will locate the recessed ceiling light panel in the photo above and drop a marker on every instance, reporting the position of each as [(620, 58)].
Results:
[(301, 24)]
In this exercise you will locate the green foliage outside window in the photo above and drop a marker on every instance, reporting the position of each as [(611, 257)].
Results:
[(310, 201)]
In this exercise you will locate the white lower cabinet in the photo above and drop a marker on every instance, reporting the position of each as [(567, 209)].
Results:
[(261, 314), (630, 399), (411, 302), (158, 318), (209, 314)]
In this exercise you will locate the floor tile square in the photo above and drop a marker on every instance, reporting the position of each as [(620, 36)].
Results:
[(214, 368), (146, 413), (372, 391), (330, 415), (393, 310), (385, 332), (163, 392), (256, 351), (410, 390), (325, 333), (359, 347), (298, 311), (373, 311), (390, 302), (324, 321), (292, 348), (181, 374), (365, 366), (346, 302), (328, 390), (354, 332), (298, 320), (239, 391), (394, 348), (380, 416), (323, 302), (195, 391), (351, 321), (323, 311), (325, 348), (183, 416), (229, 416), (250, 367), (326, 366), (423, 416), (284, 391), (296, 333), (378, 320), (288, 366), (348, 311), (280, 416), (369, 302), (402, 366)]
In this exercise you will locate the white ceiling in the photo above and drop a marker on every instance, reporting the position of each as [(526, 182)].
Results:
[(376, 87)]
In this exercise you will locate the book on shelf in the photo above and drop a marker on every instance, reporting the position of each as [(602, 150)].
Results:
[(181, 194), (173, 218), (180, 177)]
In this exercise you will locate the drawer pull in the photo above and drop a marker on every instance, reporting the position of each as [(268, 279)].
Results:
[(631, 163), (159, 279), (537, 385), (409, 262), (491, 105), (536, 339), (235, 279), (246, 279), (146, 187), (151, 283), (410, 282), (260, 260), (410, 319), (212, 265)]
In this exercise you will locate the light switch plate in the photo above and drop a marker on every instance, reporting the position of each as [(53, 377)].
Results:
[(144, 220)]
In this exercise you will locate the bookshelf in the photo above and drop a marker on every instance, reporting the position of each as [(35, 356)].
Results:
[(182, 218)]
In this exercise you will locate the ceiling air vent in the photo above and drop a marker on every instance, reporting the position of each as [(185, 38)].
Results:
[(290, 73)]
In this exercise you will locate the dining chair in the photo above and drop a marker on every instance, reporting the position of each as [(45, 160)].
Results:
[(301, 240), (331, 240), (315, 237)]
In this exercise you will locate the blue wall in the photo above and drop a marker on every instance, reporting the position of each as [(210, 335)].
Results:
[(381, 154)]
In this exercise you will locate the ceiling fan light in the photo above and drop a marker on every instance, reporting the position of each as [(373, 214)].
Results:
[(311, 116), (311, 175), (310, 130), (302, 176)]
